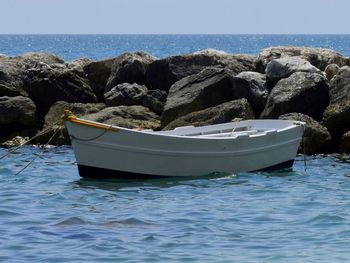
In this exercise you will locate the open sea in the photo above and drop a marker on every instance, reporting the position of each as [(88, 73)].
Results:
[(49, 214)]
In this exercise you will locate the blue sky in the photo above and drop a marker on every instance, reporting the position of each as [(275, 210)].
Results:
[(175, 16)]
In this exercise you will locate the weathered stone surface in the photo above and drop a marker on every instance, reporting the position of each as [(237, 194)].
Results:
[(126, 94), (339, 90), (155, 100), (17, 110), (316, 138), (344, 146), (222, 113), (54, 124), (319, 57), (163, 73), (11, 79), (284, 67), (206, 89), (331, 70), (98, 73), (41, 57), (257, 93), (337, 118), (127, 116), (129, 68), (46, 85), (302, 92)]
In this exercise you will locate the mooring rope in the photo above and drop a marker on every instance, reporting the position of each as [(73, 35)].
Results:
[(72, 137), (12, 150), (37, 155)]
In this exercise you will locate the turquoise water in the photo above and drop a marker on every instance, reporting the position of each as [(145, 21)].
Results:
[(49, 214), (71, 47)]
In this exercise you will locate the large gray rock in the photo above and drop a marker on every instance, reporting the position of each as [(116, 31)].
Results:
[(18, 110), (39, 57), (11, 79), (45, 85), (222, 113), (337, 118), (127, 116), (319, 57), (302, 92), (54, 126), (125, 94), (98, 73), (316, 137), (284, 67), (257, 92), (163, 73), (129, 68), (155, 100), (339, 90), (206, 89)]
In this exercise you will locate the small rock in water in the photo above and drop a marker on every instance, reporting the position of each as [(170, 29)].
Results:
[(16, 141)]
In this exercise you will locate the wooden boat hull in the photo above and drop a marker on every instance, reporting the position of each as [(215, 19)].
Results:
[(112, 152)]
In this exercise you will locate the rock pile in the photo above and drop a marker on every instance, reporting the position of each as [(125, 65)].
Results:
[(206, 87)]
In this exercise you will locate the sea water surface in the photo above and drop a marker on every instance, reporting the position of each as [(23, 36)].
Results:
[(49, 214)]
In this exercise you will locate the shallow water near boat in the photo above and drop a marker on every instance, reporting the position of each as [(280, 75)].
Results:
[(48, 213)]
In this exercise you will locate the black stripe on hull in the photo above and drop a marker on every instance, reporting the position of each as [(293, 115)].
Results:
[(101, 173)]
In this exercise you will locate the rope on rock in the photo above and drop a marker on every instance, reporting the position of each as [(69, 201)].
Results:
[(30, 139)]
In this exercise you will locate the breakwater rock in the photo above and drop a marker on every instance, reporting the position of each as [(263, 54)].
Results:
[(136, 89)]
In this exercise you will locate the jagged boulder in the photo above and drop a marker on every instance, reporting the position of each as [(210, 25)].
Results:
[(163, 73), (302, 92), (337, 119), (319, 57), (134, 116), (257, 92), (339, 90), (125, 94), (11, 79), (39, 57), (222, 113), (284, 67), (331, 70), (209, 88), (155, 100), (98, 73), (316, 138), (129, 68), (46, 85)]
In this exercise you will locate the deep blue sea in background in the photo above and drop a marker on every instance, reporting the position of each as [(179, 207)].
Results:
[(96, 47), (49, 214)]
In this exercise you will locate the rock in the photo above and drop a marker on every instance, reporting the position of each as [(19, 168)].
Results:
[(46, 85), (127, 116), (42, 57), (129, 68), (284, 67), (54, 123), (258, 93), (344, 146), (222, 113), (155, 100), (163, 73), (206, 89), (98, 73), (339, 90), (331, 70), (11, 79), (15, 141), (125, 94), (316, 138), (302, 92), (18, 110), (319, 57), (337, 119)]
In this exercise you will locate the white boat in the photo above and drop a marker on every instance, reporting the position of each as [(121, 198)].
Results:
[(107, 151)]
